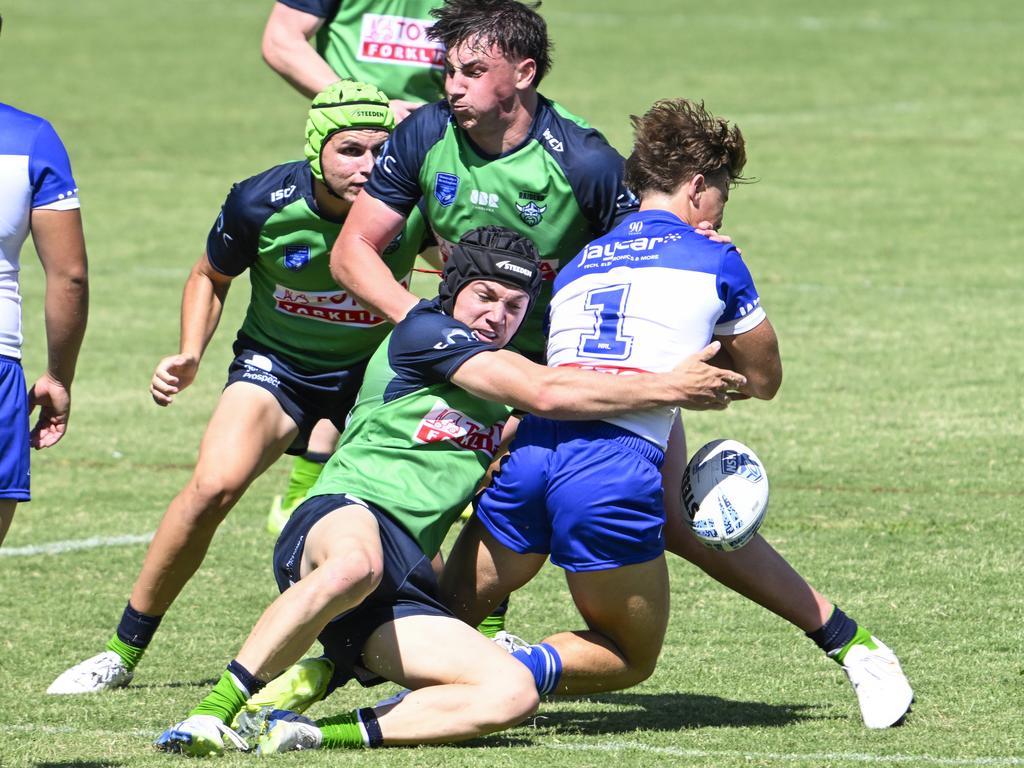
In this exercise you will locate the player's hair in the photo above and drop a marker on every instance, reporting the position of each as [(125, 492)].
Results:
[(675, 140), (491, 253), (341, 106), (515, 28)]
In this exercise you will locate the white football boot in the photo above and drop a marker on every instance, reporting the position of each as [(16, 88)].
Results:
[(882, 689), (100, 673), (288, 732), (199, 736)]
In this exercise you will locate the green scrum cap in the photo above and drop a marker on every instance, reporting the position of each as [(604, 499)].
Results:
[(341, 106)]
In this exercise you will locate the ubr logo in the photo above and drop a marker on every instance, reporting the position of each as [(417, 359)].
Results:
[(445, 423), (741, 464)]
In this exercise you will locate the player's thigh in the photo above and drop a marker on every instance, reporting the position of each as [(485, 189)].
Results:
[(481, 571), (424, 650), (248, 431), (628, 605), (350, 535)]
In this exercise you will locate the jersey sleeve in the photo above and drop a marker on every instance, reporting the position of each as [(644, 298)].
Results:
[(324, 9), (53, 186), (743, 310), (429, 346), (596, 174), (232, 245), (395, 178)]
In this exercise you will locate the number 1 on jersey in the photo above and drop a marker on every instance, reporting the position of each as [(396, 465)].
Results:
[(607, 340)]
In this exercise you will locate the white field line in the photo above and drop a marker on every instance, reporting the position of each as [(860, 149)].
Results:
[(72, 545), (791, 757), (625, 746)]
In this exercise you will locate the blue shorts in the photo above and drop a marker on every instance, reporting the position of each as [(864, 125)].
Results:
[(587, 493), (408, 586), (306, 397), (14, 473)]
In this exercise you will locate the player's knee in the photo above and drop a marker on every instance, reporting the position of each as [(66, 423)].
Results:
[(352, 576), (213, 493), (511, 701)]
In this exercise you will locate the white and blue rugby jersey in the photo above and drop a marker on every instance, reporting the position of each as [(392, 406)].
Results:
[(644, 297), (34, 173)]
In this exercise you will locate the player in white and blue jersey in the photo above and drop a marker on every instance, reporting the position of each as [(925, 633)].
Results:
[(38, 194), (590, 495)]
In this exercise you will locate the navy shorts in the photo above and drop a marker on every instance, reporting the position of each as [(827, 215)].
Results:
[(14, 473), (586, 493), (306, 397), (408, 586)]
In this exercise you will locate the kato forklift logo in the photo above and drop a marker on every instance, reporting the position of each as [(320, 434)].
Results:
[(444, 423)]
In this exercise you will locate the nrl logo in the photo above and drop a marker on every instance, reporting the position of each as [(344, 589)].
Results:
[(531, 213), (741, 464)]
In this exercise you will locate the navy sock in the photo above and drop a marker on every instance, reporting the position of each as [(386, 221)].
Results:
[(834, 633), (316, 458), (247, 679), (372, 736), (137, 629), (545, 664)]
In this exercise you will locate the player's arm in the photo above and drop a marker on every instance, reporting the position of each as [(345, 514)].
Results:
[(287, 50), (755, 355), (202, 302), (572, 394), (356, 261), (60, 243)]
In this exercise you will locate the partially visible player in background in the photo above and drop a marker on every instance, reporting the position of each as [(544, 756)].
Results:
[(38, 194), (383, 42), (299, 356), (498, 152)]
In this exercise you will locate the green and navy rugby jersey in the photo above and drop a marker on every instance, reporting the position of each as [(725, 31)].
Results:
[(383, 42), (270, 225), (416, 446), (562, 187)]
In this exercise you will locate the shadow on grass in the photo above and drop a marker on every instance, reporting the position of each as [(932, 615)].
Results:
[(630, 712), (78, 764), (667, 712), (175, 684)]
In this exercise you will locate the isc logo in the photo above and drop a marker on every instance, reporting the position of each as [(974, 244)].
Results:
[(484, 199), (282, 194)]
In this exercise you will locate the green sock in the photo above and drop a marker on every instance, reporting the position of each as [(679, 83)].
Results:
[(304, 474), (341, 731), (492, 625), (129, 654), (862, 637), (224, 701)]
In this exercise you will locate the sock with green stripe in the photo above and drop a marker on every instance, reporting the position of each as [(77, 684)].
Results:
[(228, 696), (134, 633), (358, 728), (837, 634)]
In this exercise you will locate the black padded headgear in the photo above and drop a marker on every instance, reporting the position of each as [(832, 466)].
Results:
[(491, 253)]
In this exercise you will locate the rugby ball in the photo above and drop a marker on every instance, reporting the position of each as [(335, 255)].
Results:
[(725, 494)]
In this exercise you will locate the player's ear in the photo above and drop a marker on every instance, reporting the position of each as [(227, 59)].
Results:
[(695, 187), (526, 72)]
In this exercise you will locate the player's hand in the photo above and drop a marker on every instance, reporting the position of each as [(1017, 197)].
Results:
[(54, 401), (704, 387), (403, 109), (707, 229), (172, 375)]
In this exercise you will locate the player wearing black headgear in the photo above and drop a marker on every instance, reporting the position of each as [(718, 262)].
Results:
[(426, 424), (491, 253)]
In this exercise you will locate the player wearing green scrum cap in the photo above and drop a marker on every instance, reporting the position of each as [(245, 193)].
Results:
[(299, 355)]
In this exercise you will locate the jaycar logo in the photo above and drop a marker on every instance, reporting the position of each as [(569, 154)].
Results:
[(741, 464), (445, 424)]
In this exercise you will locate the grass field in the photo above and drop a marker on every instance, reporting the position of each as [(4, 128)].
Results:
[(885, 236)]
